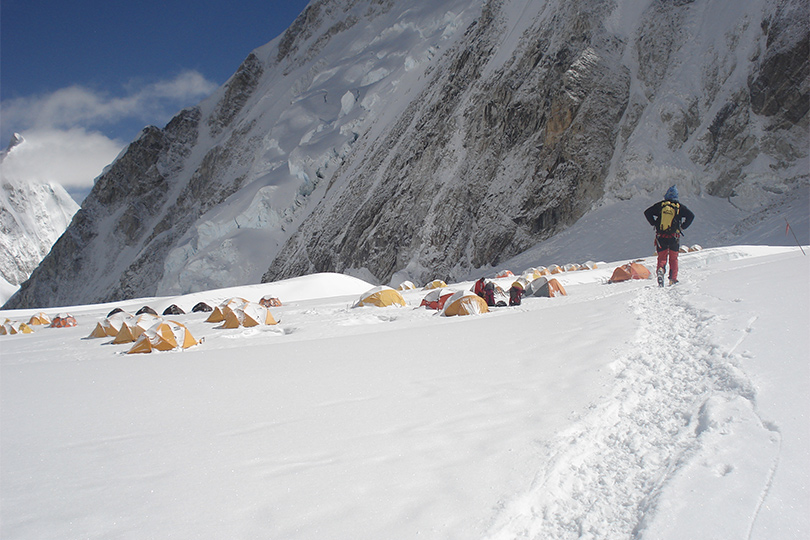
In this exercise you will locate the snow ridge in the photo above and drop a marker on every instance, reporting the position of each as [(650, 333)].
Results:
[(675, 408)]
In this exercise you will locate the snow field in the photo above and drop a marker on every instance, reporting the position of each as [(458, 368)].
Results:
[(620, 411)]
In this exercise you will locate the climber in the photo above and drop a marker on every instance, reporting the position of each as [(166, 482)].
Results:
[(515, 293), (670, 218)]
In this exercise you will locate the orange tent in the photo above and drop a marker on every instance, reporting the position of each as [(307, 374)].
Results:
[(436, 298), (633, 270), (63, 321), (270, 301)]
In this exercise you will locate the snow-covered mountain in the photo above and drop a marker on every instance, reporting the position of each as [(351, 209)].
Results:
[(434, 139), (32, 217)]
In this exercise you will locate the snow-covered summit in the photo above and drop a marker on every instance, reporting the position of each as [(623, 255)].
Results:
[(33, 214), (16, 140)]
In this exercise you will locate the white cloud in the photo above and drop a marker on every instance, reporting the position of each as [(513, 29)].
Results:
[(68, 132), (74, 106), (72, 158)]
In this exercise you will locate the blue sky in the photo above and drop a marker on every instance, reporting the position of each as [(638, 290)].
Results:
[(90, 74)]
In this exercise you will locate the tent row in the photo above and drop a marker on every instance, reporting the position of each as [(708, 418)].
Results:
[(174, 309), (236, 312), (63, 320), (409, 285), (450, 302), (147, 332), (529, 275)]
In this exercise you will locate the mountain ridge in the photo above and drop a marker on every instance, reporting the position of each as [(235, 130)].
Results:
[(396, 143)]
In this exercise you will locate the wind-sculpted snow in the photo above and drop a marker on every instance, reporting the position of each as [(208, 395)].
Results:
[(681, 415)]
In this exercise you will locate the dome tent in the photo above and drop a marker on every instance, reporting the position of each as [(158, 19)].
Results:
[(435, 284), (632, 270), (545, 287), (63, 320), (270, 301), (131, 329), (249, 315), (381, 296), (39, 319), (464, 303), (164, 336), (437, 298), (218, 315), (201, 307), (110, 326)]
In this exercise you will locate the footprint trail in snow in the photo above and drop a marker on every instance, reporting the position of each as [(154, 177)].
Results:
[(680, 417)]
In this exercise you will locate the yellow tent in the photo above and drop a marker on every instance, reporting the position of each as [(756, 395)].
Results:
[(435, 284), (164, 336), (380, 296), (248, 316), (218, 315), (110, 326), (464, 303), (131, 329), (11, 328), (39, 319), (530, 274)]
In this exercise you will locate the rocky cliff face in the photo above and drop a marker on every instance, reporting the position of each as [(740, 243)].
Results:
[(427, 140), (490, 159)]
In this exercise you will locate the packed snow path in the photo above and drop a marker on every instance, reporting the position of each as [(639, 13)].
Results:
[(673, 420)]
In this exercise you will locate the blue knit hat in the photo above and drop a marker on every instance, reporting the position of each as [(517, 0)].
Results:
[(672, 194)]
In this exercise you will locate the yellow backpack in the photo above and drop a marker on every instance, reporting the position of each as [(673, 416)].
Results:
[(667, 222)]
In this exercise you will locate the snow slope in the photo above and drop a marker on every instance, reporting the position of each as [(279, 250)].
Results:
[(619, 411)]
